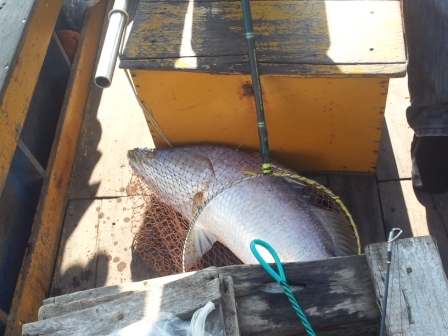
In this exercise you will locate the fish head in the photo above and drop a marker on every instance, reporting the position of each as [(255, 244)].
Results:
[(139, 159), (178, 177)]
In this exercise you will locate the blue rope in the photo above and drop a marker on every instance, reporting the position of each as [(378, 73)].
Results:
[(281, 279)]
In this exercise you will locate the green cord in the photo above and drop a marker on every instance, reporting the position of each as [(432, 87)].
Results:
[(281, 279)]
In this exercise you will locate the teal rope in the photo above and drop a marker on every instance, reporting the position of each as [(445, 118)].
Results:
[(281, 279)]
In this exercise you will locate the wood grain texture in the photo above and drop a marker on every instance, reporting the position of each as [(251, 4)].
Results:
[(360, 195), (25, 33), (35, 277), (113, 125), (182, 298), (106, 257), (228, 305), (99, 292), (333, 293), (240, 65), (287, 32), (67, 303), (16, 17), (415, 212), (115, 238), (394, 157), (77, 258), (418, 287)]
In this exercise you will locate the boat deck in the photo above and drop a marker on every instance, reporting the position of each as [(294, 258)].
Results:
[(96, 245)]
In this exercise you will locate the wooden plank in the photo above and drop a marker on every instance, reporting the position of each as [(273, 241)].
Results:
[(240, 65), (229, 306), (35, 277), (113, 125), (116, 290), (394, 158), (182, 298), (107, 257), (360, 195), (316, 33), (25, 49), (414, 212), (441, 204), (333, 293), (117, 228), (418, 287), (16, 18), (331, 299), (75, 268)]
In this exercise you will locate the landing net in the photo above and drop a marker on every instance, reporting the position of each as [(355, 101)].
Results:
[(160, 240)]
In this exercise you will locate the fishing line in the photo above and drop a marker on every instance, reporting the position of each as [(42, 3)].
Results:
[(392, 237), (281, 279)]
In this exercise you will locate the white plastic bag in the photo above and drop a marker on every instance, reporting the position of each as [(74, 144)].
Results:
[(74, 12), (170, 325)]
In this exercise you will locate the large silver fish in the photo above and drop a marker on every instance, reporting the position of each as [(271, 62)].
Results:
[(268, 208)]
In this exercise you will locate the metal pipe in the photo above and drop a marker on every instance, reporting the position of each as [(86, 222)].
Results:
[(118, 19)]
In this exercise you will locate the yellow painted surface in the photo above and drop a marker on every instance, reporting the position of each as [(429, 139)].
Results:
[(35, 276), (15, 103), (313, 123)]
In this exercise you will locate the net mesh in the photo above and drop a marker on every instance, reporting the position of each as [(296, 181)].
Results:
[(163, 215)]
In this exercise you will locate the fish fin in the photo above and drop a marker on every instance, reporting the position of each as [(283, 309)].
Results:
[(199, 242), (343, 232), (296, 185)]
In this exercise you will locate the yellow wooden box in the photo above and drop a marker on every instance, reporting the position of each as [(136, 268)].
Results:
[(324, 66)]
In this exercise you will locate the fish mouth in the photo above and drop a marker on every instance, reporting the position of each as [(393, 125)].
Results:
[(137, 156), (135, 161)]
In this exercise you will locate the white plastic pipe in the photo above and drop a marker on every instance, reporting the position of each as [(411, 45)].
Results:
[(118, 18)]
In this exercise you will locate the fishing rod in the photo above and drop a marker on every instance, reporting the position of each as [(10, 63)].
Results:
[(392, 237), (262, 130)]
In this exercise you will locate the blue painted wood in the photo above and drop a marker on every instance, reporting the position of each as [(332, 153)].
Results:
[(16, 217), (19, 199), (26, 168), (43, 115)]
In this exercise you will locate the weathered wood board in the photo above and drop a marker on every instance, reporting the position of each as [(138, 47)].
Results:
[(64, 304), (394, 158), (229, 306), (316, 39), (114, 124), (333, 292), (35, 277), (23, 51), (343, 298), (106, 257), (415, 212), (182, 298), (77, 257), (418, 287)]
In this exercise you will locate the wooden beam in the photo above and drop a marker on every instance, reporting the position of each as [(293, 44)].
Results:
[(418, 287), (34, 279), (64, 304), (334, 293), (229, 306), (34, 22), (182, 298)]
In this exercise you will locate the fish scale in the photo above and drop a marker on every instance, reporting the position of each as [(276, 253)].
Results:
[(268, 208)]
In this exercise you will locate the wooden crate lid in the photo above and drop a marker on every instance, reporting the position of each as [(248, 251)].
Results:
[(305, 38)]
